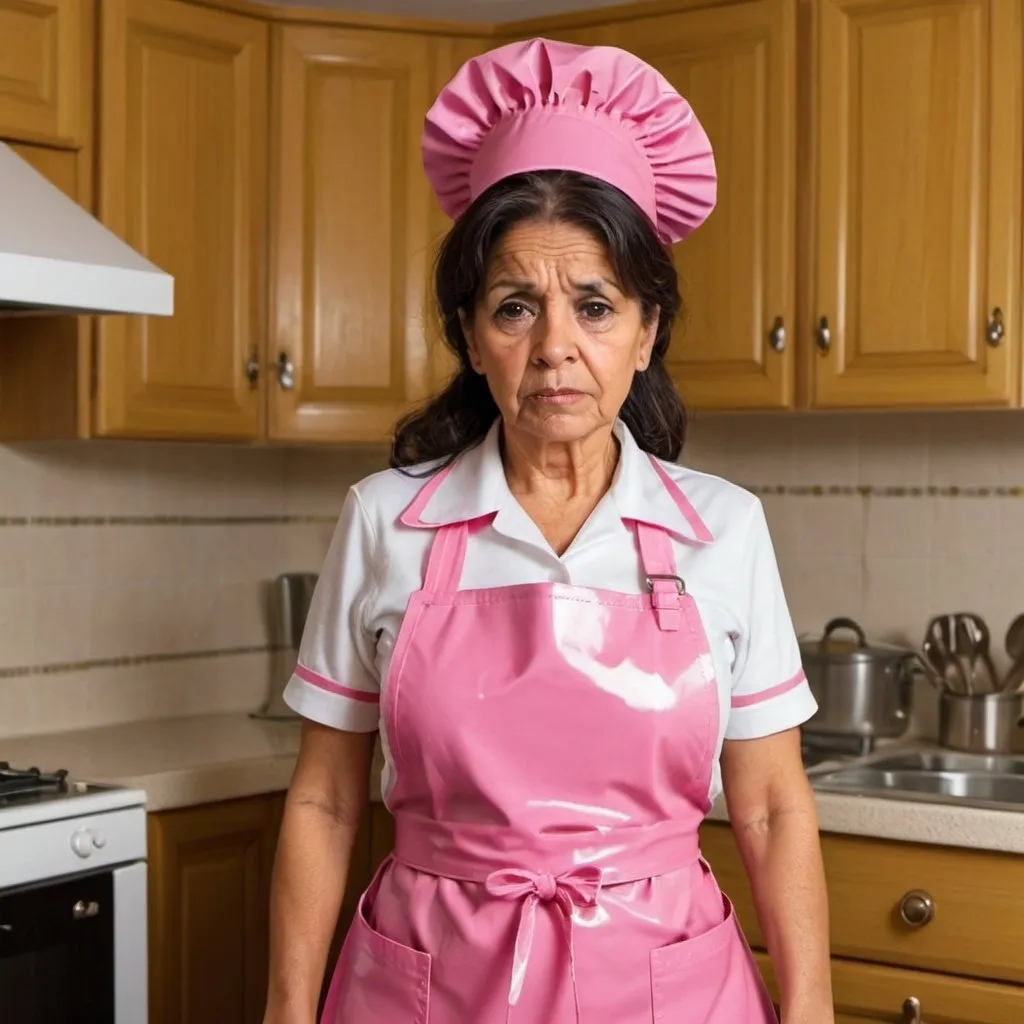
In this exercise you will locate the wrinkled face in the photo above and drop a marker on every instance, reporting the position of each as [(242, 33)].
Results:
[(554, 334)]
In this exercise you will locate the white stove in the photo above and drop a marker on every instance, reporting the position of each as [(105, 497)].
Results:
[(72, 900)]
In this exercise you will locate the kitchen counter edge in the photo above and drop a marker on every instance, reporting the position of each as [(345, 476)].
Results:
[(185, 762)]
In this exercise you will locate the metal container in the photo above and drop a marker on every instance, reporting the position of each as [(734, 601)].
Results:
[(862, 689), (982, 723), (290, 597)]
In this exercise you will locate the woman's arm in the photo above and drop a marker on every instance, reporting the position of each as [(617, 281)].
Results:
[(326, 800), (775, 822)]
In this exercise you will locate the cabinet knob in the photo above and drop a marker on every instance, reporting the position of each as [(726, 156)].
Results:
[(994, 329), (917, 908), (285, 372), (912, 1010), (823, 335), (252, 367), (777, 335)]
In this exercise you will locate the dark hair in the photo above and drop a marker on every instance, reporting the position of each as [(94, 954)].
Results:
[(460, 416)]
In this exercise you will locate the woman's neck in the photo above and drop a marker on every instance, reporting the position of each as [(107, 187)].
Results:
[(559, 485)]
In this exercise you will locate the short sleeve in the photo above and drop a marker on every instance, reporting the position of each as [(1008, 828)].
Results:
[(335, 681), (770, 692)]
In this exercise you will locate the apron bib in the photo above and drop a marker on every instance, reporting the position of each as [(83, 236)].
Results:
[(553, 749)]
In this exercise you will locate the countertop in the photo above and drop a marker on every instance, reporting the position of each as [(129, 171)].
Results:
[(181, 762)]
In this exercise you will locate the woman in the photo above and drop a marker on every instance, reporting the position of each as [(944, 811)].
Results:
[(568, 643)]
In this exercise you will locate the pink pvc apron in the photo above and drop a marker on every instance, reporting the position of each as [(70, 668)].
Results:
[(553, 749)]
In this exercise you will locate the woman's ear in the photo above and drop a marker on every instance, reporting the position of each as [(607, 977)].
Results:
[(647, 338), (466, 322)]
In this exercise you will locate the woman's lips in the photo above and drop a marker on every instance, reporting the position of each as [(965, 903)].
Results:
[(557, 396)]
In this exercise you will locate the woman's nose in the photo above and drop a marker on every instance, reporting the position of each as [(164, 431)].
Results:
[(554, 336)]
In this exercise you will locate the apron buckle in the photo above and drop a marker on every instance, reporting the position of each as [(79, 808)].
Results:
[(665, 600)]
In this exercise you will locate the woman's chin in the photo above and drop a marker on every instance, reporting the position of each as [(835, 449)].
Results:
[(564, 425)]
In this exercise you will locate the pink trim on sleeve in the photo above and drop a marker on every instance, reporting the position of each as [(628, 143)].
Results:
[(323, 683), (746, 700)]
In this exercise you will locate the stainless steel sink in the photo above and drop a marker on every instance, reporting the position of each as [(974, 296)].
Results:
[(933, 776)]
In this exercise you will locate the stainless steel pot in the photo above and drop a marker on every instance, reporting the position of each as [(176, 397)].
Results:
[(862, 689), (982, 724)]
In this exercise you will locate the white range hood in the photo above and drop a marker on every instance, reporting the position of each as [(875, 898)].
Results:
[(57, 258)]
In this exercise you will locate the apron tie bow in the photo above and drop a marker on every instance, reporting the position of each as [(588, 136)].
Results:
[(578, 887)]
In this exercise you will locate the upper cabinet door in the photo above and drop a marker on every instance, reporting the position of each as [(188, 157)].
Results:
[(45, 52), (350, 218), (736, 65), (183, 179), (918, 203)]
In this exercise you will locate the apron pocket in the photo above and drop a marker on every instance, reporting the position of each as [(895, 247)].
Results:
[(709, 979), (377, 980)]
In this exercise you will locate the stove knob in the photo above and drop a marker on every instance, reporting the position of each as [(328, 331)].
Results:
[(98, 840), (81, 842)]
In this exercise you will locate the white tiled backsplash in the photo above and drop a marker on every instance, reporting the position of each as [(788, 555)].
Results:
[(132, 576)]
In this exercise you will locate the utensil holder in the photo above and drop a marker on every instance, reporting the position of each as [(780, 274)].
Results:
[(981, 723)]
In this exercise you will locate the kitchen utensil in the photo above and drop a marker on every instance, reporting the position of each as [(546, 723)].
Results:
[(972, 644), (1013, 681), (862, 689), (939, 637), (981, 723), (1015, 639), (290, 597), (933, 667)]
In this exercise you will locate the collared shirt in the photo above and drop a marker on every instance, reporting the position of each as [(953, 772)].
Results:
[(721, 543)]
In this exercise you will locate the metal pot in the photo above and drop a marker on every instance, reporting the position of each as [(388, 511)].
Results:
[(982, 724), (862, 689)]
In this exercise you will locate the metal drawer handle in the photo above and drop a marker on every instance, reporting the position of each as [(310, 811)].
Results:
[(252, 367), (823, 335), (912, 1011), (285, 372), (994, 329), (917, 908)]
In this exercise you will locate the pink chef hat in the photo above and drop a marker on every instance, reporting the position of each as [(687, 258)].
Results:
[(542, 105)]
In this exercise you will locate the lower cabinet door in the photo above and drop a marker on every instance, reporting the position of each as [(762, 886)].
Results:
[(878, 994)]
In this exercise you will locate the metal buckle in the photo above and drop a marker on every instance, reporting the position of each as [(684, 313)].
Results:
[(649, 582)]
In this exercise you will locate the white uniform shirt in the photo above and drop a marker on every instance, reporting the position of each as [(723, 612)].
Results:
[(375, 563)]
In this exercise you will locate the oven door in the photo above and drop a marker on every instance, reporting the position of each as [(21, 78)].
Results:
[(57, 951)]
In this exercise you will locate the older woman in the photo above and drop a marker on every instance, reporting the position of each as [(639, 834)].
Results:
[(568, 643)]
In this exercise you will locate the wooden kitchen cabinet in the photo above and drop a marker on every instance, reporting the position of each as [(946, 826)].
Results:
[(182, 158), (898, 127), (915, 271), (877, 994), (965, 965), (210, 869), (46, 361), (736, 64), (45, 70), (350, 223), (209, 885)]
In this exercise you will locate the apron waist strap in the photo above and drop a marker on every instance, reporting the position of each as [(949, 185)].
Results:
[(564, 870), (473, 852)]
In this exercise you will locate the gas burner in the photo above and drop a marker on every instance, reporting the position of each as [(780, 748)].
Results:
[(28, 781)]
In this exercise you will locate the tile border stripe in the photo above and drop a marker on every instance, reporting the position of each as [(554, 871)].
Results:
[(866, 491), (798, 491), (130, 661), (163, 520)]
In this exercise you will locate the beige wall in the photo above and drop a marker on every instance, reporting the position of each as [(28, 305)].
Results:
[(885, 518), (132, 576)]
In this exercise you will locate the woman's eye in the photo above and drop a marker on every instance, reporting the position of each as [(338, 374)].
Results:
[(595, 310), (512, 311)]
